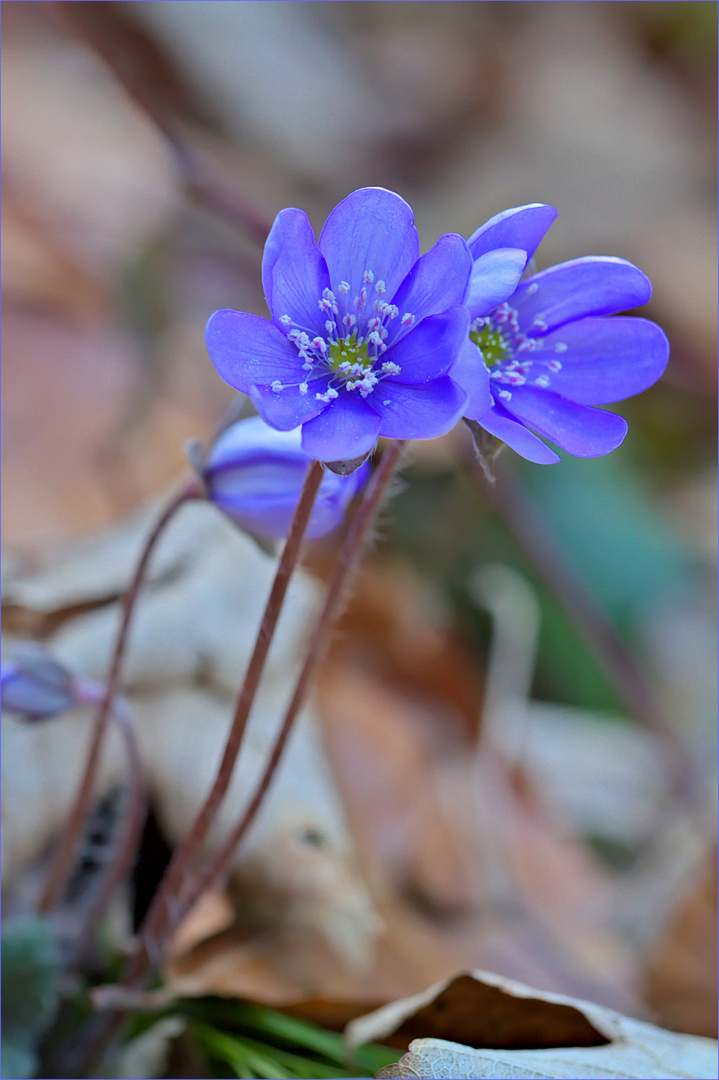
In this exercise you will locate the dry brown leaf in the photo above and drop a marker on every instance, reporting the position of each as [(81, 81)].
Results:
[(681, 975), (498, 1027)]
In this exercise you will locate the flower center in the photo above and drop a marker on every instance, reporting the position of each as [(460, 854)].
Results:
[(493, 345), (347, 356)]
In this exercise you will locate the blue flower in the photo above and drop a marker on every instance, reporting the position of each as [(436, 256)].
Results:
[(35, 686), (540, 359), (363, 331), (254, 474)]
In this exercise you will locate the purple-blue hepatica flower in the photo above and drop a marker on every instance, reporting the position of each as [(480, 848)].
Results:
[(254, 474), (363, 331), (539, 360)]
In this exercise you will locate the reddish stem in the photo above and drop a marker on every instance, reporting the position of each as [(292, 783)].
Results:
[(169, 887), (345, 565), (122, 859), (69, 840)]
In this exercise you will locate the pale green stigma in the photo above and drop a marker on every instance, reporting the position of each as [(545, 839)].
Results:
[(493, 346), (345, 353)]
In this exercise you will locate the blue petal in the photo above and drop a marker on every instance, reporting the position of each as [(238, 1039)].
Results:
[(577, 429), (430, 350), (436, 282), (605, 360), (246, 350), (287, 408), (247, 439), (500, 424), (594, 285), (521, 227), (494, 278), (470, 371), (347, 429), (418, 412), (294, 272), (371, 230)]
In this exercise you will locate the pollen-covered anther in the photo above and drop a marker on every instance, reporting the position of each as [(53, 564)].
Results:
[(344, 287), (532, 288), (539, 322), (543, 381), (506, 395), (329, 395), (560, 347), (276, 386), (303, 388), (349, 320), (319, 343), (554, 365), (391, 369), (380, 287), (374, 338), (285, 320), (408, 319), (368, 277)]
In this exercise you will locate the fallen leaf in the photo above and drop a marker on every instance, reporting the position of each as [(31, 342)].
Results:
[(508, 1029)]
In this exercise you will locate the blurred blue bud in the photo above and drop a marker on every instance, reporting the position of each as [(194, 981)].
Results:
[(254, 474), (34, 686)]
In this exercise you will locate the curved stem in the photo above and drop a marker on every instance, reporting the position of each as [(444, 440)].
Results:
[(154, 922), (67, 845), (122, 859), (620, 665), (347, 560)]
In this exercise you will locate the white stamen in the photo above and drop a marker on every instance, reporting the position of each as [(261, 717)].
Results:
[(329, 395), (380, 288), (554, 365), (531, 289), (539, 322), (542, 381), (505, 394), (391, 369), (407, 319), (303, 388), (560, 347), (285, 320), (387, 402), (344, 287), (319, 343), (368, 277), (276, 386)]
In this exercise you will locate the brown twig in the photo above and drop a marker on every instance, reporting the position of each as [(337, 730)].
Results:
[(347, 560), (70, 836)]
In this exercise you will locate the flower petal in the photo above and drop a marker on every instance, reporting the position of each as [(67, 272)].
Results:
[(605, 360), (577, 429), (436, 282), (347, 429), (287, 408), (371, 230), (294, 272), (422, 411), (494, 278), (521, 227), (470, 371), (499, 423), (246, 350), (429, 351), (594, 285)]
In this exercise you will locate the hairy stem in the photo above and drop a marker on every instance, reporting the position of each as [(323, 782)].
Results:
[(347, 560), (158, 914), (70, 837), (122, 859)]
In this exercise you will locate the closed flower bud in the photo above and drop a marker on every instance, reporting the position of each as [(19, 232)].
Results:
[(35, 686), (254, 474)]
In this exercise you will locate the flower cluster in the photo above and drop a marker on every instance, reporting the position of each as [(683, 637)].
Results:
[(369, 339), (254, 474)]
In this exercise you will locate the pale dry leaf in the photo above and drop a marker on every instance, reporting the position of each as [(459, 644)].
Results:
[(510, 1030), (190, 641)]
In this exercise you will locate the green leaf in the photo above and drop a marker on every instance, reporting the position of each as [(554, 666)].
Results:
[(30, 973)]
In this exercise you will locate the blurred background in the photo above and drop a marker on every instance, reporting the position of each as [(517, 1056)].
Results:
[(520, 706)]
